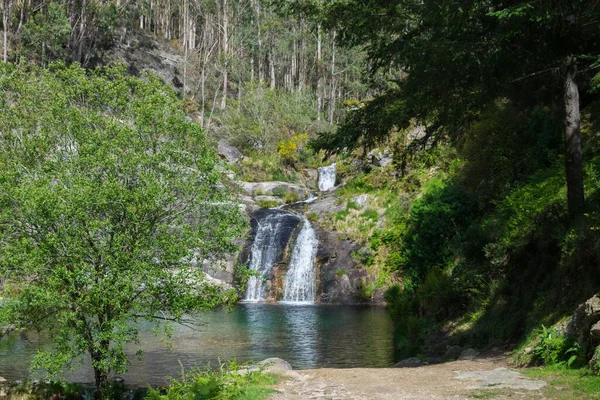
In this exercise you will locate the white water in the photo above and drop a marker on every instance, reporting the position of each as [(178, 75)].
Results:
[(264, 251), (327, 178), (300, 278)]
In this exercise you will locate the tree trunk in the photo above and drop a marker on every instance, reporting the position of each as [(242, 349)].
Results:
[(5, 18), (225, 54), (319, 74), (573, 159), (331, 105)]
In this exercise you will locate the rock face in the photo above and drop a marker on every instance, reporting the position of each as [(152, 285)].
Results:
[(228, 152), (272, 249), (339, 276), (274, 189), (587, 314), (595, 333), (379, 158)]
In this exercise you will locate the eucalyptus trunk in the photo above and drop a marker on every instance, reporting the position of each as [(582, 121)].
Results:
[(573, 158)]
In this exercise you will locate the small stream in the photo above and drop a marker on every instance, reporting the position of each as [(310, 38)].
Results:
[(308, 336)]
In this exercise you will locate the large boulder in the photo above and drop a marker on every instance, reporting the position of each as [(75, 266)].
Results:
[(275, 365), (380, 158), (275, 189), (578, 326), (452, 353), (228, 152), (595, 333), (468, 354), (411, 362)]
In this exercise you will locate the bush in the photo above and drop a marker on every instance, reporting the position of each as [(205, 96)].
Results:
[(263, 119), (228, 382), (555, 349)]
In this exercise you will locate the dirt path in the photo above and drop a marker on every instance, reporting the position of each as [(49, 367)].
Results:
[(453, 380)]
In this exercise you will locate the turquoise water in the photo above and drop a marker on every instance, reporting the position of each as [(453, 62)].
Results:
[(308, 336)]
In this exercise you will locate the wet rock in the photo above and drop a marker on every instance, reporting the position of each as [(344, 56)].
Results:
[(411, 362), (228, 152), (325, 205), (275, 365), (338, 275), (468, 354), (499, 378), (452, 353)]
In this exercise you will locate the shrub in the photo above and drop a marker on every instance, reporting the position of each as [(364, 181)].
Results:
[(556, 349), (290, 198), (225, 383), (267, 203), (373, 215), (279, 192)]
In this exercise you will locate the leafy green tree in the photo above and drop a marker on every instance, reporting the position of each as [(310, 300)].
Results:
[(107, 193), (47, 33), (263, 117), (460, 57)]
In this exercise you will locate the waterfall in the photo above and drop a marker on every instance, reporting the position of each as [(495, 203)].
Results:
[(300, 278), (327, 178), (264, 253)]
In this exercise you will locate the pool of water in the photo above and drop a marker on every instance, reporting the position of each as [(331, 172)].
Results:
[(308, 336)]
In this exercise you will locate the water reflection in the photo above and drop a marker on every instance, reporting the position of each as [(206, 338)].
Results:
[(308, 336)]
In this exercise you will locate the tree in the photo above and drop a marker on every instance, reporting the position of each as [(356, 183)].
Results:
[(107, 193), (46, 33), (460, 57)]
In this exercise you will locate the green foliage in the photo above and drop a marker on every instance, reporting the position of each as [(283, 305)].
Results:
[(351, 205), (340, 272), (290, 149), (47, 32), (279, 192), (264, 119), (107, 195), (373, 215), (228, 382), (566, 384), (267, 203), (595, 361), (554, 348), (342, 215), (261, 168), (290, 198)]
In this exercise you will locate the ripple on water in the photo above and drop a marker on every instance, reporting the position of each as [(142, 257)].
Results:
[(307, 335)]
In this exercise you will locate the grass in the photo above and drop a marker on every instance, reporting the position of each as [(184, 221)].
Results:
[(567, 384), (259, 390), (267, 203)]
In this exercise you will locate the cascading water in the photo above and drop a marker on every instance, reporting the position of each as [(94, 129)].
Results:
[(327, 178), (300, 279), (263, 254)]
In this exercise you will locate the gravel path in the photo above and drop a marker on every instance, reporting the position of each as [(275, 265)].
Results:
[(454, 380)]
